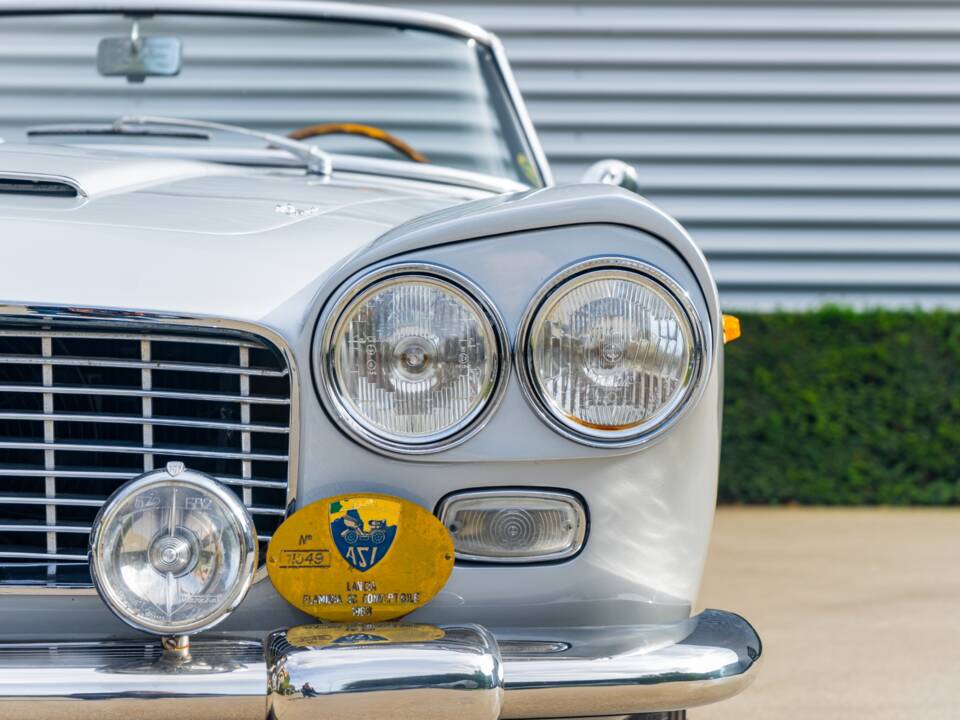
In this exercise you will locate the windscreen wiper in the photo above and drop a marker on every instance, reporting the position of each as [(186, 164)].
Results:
[(314, 159), (112, 129)]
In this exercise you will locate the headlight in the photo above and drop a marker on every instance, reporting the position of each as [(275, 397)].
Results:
[(610, 351), (413, 358), (173, 552)]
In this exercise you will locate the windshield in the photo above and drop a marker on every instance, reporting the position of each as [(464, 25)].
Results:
[(350, 88)]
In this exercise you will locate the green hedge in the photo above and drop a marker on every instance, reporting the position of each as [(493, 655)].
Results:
[(836, 407)]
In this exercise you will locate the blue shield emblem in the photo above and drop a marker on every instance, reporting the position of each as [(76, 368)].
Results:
[(363, 530)]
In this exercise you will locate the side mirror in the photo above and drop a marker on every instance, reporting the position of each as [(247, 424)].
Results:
[(613, 172)]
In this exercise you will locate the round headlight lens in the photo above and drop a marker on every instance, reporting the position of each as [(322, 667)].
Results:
[(414, 360), (612, 352), (173, 552)]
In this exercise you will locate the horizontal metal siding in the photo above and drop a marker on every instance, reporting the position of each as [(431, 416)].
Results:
[(810, 147)]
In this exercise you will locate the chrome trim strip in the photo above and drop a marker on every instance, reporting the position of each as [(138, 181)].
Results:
[(701, 352), (94, 474), (34, 527), (258, 510), (41, 528), (520, 107), (110, 679), (132, 392), (140, 450), (36, 556), (112, 475), (43, 500), (80, 335), (114, 319), (137, 364), (629, 670), (43, 177), (324, 376), (138, 420), (347, 12), (567, 498)]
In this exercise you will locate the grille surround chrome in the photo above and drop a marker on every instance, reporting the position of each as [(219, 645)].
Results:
[(99, 324)]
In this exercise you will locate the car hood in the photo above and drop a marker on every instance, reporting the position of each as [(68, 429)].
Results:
[(187, 237)]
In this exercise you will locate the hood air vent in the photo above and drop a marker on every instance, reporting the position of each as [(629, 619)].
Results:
[(42, 187)]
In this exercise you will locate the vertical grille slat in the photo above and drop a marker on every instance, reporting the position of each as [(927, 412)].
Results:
[(146, 384), (49, 458), (246, 465), (84, 411)]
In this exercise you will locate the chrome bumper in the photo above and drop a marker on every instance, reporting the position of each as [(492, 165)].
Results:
[(464, 672)]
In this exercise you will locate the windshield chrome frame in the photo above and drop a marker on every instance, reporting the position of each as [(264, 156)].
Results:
[(320, 10)]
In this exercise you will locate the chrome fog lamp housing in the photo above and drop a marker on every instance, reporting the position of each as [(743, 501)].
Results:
[(412, 358), (173, 552), (514, 525), (611, 351)]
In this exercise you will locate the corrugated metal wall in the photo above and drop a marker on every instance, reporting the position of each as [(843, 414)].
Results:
[(812, 148)]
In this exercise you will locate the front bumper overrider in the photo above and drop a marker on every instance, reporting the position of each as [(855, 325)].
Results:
[(393, 670)]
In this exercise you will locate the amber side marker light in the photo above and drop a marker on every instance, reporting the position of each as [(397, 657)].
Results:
[(731, 328)]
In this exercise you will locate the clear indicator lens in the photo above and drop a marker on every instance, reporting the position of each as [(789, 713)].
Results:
[(514, 527), (173, 556), (611, 352), (414, 359)]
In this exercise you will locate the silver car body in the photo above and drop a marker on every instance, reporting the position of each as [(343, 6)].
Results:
[(190, 242)]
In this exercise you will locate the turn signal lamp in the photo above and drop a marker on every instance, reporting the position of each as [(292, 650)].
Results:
[(514, 526), (173, 552)]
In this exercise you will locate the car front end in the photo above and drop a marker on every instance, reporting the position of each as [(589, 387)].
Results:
[(537, 367)]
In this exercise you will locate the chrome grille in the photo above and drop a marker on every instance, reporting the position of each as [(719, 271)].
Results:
[(84, 411)]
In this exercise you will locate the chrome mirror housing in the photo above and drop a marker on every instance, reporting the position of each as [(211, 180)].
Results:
[(613, 172)]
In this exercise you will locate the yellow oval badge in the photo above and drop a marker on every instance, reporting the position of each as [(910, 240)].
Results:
[(360, 557)]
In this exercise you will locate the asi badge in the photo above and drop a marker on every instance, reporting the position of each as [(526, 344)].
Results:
[(360, 557)]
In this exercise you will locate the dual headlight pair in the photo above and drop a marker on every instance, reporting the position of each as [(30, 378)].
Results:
[(414, 358)]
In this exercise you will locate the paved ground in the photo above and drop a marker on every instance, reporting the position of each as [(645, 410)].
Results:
[(859, 611)]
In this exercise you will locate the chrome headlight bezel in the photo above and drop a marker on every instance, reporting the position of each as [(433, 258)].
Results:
[(323, 359), (701, 355)]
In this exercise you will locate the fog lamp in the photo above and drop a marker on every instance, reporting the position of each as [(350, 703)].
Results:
[(173, 552), (514, 526)]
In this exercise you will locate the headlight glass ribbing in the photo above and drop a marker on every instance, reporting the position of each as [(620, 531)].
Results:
[(414, 359), (173, 552), (612, 352)]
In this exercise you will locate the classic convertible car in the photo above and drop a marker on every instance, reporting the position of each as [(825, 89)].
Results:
[(299, 339)]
